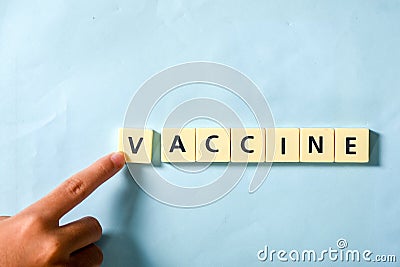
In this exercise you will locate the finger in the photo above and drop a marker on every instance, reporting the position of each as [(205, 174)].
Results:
[(4, 217), (80, 233), (75, 189), (87, 256)]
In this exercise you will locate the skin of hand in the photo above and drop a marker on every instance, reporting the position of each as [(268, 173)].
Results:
[(34, 237)]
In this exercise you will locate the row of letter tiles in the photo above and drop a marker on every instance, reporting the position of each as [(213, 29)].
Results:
[(248, 145)]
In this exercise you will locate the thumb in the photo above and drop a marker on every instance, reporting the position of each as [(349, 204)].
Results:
[(4, 217)]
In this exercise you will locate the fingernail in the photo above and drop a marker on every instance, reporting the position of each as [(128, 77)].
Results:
[(118, 159)]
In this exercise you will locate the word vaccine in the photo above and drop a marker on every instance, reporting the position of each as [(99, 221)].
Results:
[(247, 145)]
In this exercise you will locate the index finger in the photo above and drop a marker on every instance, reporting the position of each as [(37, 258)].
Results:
[(79, 186)]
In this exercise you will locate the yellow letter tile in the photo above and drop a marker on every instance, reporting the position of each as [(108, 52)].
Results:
[(178, 145), (317, 145), (136, 144), (351, 145), (213, 145), (285, 142), (247, 145)]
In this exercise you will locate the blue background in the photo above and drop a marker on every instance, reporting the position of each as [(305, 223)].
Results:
[(68, 70)]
